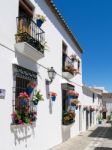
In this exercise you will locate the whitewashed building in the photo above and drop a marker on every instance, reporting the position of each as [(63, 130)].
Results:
[(107, 104), (92, 104), (24, 68)]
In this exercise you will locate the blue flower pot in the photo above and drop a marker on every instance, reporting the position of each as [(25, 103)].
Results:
[(76, 107), (35, 102), (39, 22), (23, 102), (75, 97), (29, 90), (70, 97), (53, 98)]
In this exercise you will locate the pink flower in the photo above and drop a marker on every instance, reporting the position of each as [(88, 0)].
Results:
[(20, 122), (23, 95), (72, 92), (14, 114)]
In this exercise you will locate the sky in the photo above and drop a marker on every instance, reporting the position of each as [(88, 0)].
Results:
[(91, 23)]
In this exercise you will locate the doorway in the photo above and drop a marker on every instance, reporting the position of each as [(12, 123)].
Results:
[(104, 115)]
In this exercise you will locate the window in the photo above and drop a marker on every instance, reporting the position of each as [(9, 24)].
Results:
[(25, 82), (68, 111), (64, 55), (93, 97), (26, 8), (78, 65), (25, 16), (27, 29)]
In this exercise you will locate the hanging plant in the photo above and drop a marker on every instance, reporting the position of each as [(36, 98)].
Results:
[(73, 57), (52, 95), (74, 102), (30, 87), (73, 93), (37, 97), (23, 100), (68, 117), (39, 20)]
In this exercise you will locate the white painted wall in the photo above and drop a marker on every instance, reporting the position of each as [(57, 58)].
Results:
[(107, 102), (88, 101), (48, 130)]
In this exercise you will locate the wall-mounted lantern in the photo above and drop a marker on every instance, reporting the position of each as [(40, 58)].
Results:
[(51, 73)]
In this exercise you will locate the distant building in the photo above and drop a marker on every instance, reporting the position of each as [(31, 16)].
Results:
[(107, 104), (92, 103)]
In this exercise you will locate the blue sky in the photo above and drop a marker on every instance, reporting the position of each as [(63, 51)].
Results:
[(91, 23)]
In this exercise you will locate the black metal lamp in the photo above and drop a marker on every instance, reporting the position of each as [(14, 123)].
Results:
[(51, 73)]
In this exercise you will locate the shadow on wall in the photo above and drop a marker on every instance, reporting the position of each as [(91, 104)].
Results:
[(22, 133), (66, 132), (103, 148), (47, 96), (86, 91)]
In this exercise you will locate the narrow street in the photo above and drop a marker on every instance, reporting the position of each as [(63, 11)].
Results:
[(97, 138)]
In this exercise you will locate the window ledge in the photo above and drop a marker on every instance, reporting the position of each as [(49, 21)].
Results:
[(22, 125)]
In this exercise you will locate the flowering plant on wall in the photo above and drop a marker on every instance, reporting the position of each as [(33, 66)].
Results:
[(71, 69), (84, 107), (30, 87), (73, 93), (23, 99), (52, 95), (23, 118), (37, 97), (68, 117), (24, 112), (73, 57), (74, 102), (40, 19)]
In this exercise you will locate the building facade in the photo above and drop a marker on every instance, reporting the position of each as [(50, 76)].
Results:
[(38, 111), (92, 103), (25, 63), (107, 105)]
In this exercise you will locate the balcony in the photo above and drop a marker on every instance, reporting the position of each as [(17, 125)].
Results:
[(68, 68), (30, 39)]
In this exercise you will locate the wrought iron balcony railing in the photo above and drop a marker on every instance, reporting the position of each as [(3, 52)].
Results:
[(68, 65), (27, 31)]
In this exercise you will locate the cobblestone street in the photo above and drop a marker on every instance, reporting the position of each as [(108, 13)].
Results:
[(97, 138)]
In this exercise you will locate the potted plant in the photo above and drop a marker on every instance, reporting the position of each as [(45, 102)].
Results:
[(23, 99), (74, 102), (37, 97), (73, 57), (52, 95), (84, 108), (39, 20), (73, 93), (99, 119), (19, 118), (71, 69), (68, 117), (30, 87)]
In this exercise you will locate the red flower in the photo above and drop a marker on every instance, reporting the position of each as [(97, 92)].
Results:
[(52, 94), (72, 92)]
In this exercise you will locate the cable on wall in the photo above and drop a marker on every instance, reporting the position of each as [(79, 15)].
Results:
[(43, 67)]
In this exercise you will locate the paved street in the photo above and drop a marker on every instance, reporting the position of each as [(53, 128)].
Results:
[(97, 138)]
